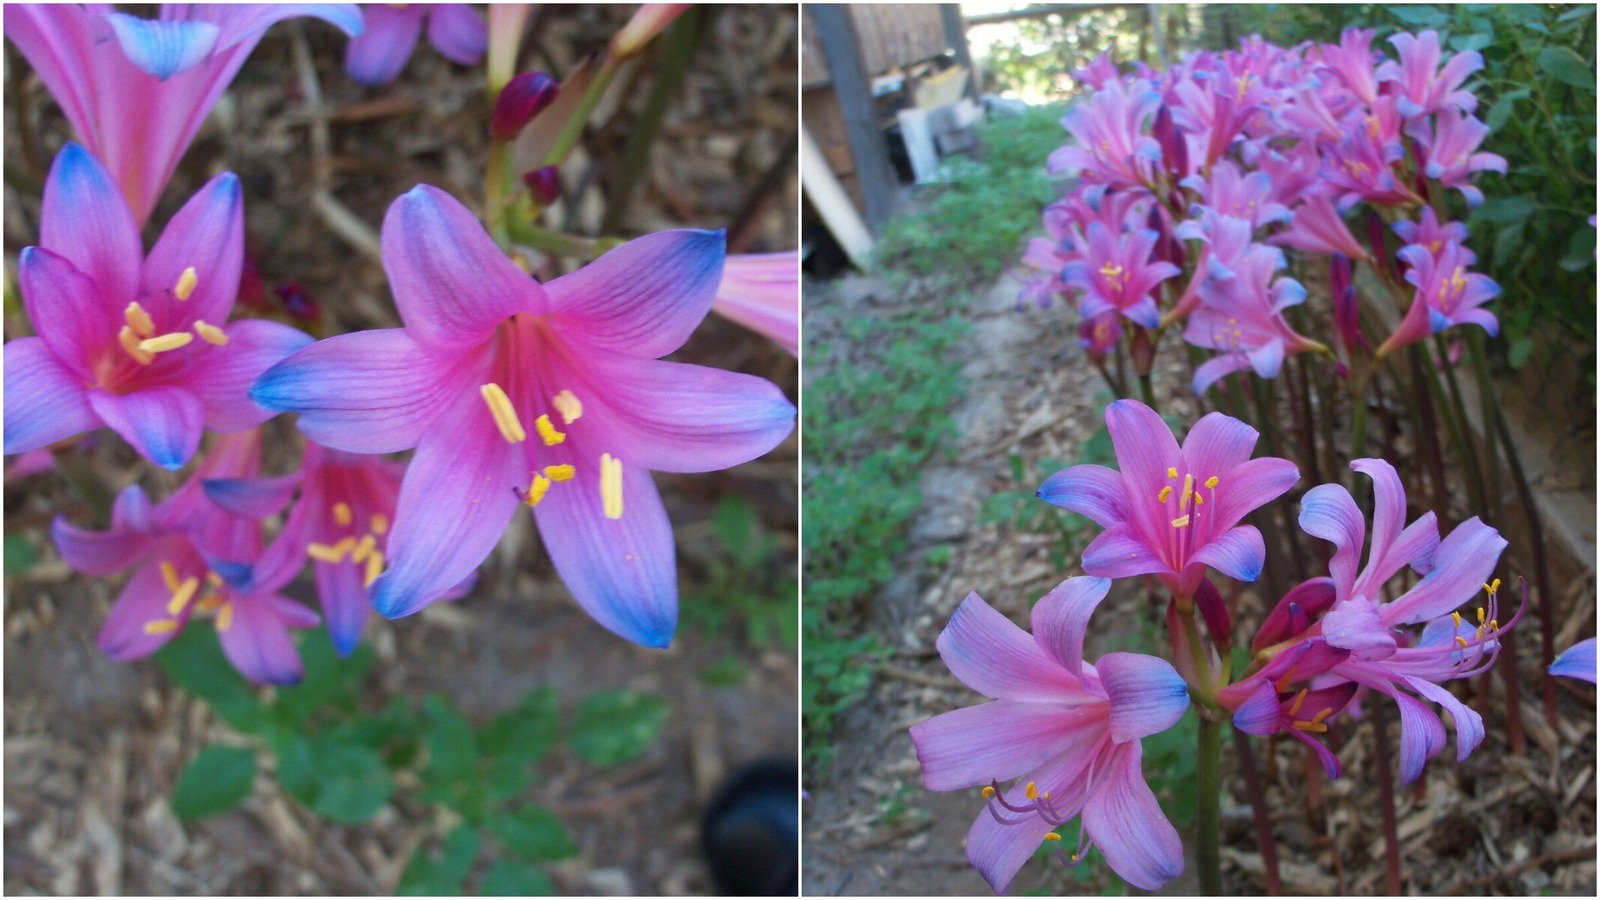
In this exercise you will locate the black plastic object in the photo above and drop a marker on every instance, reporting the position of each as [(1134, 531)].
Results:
[(751, 831)]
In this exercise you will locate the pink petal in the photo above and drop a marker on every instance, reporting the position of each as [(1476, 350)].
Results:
[(1145, 450), (86, 221), (1216, 445), (389, 36), (1327, 511), (102, 553), (344, 603), (1093, 491), (163, 423), (644, 298), (1237, 553), (1121, 552), (44, 402), (1147, 695), (254, 498), (1463, 562), (70, 313), (994, 657), (257, 641), (999, 851), (452, 284), (1469, 725), (998, 740), (1124, 820), (1422, 735), (144, 600), (221, 376), (1061, 618), (458, 32), (207, 234), (1251, 485), (1355, 625)]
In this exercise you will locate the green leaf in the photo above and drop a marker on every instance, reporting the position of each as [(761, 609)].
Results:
[(1470, 42), (20, 553), (428, 876), (1503, 210), (452, 750), (216, 780), (727, 671), (328, 678), (613, 727), (1580, 249), (1565, 66), (339, 780), (526, 732), (507, 878), (532, 832), (1519, 351), (1419, 16), (505, 778), (194, 659), (1500, 113)]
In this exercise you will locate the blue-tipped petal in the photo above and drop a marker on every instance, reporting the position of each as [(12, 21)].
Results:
[(1577, 661), (162, 423), (44, 403), (253, 498), (163, 47)]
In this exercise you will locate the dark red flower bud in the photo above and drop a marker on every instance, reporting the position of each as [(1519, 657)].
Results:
[(523, 97), (544, 184)]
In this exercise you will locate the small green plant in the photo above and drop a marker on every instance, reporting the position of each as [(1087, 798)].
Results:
[(748, 583), (344, 763), (1019, 507)]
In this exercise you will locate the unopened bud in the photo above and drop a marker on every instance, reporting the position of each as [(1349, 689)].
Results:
[(648, 22), (544, 184), (524, 97)]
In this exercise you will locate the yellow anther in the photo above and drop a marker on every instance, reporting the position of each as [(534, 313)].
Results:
[(611, 485), (139, 320), (1480, 615), (560, 473), (1172, 472), (505, 417), (1456, 618), (1299, 699), (374, 569), (341, 514), (548, 431), (1316, 727), (225, 617), (182, 595), (160, 626), (1181, 521), (214, 579), (165, 342), (1052, 836), (208, 604), (170, 575), (331, 553), (1188, 492), (1032, 791), (1462, 641), (1282, 684), (1074, 857), (186, 283), (1199, 499), (380, 523), (1494, 625), (211, 334), (1166, 492), (537, 490), (568, 405), (988, 792), (1492, 587), (1319, 717), (130, 344), (1211, 483), (366, 545)]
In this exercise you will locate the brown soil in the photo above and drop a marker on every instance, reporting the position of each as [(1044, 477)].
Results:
[(1498, 823), (92, 747)]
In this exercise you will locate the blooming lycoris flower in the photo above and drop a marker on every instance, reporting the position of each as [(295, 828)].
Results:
[(1576, 661), (377, 55), (1362, 623), (547, 395), (1116, 274), (1173, 512), (1430, 234), (1318, 228), (193, 560), (1449, 151), (761, 291), (141, 345), (1423, 86), (1269, 703), (1446, 295), (1352, 61), (1112, 148), (137, 90), (1069, 731), (1241, 316)]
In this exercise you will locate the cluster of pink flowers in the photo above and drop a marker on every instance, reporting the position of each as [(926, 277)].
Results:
[(1209, 167), (1069, 732)]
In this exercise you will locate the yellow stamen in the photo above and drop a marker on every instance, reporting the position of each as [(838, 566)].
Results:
[(1480, 615), (988, 792), (560, 473), (537, 490), (1456, 618), (165, 342), (1181, 521), (1052, 836), (181, 597), (225, 617), (1299, 699), (1493, 587), (1462, 641), (186, 284), (1211, 483), (1032, 791), (569, 406), (548, 431), (1319, 717), (367, 544), (160, 626), (332, 554), (374, 569), (1494, 625), (208, 604), (341, 514), (211, 334), (1188, 492), (1283, 683), (611, 485), (1166, 492), (170, 575), (214, 579), (380, 523), (1199, 499), (1316, 727), (130, 345), (139, 320), (505, 417), (1172, 472)]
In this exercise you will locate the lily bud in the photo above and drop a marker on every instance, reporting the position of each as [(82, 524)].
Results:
[(524, 97), (544, 184)]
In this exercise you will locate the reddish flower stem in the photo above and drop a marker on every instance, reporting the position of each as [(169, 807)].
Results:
[(1391, 835), (1259, 812)]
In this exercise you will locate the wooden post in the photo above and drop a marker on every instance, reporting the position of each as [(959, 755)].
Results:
[(837, 34), (955, 34)]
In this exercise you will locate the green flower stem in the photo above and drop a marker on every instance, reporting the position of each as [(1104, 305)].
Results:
[(1467, 446), (681, 41), (557, 244), (573, 129), (1208, 807), (79, 471)]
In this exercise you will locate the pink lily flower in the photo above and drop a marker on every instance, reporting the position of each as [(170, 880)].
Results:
[(1173, 512), (1318, 228), (761, 291), (1247, 197), (1116, 273), (1041, 273), (1424, 87), (1113, 147), (1100, 335), (1446, 295), (1361, 167), (193, 559), (1268, 702), (139, 344), (1576, 661), (137, 90), (1241, 316), (1098, 73), (1430, 234), (1353, 61), (1068, 731), (1363, 624), (377, 55), (488, 359), (1448, 151)]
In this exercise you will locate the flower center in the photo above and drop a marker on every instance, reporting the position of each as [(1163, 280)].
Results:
[(1184, 515), (361, 550), (142, 343)]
